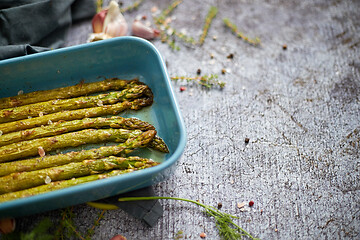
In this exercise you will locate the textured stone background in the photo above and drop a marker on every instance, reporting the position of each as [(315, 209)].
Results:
[(299, 107)]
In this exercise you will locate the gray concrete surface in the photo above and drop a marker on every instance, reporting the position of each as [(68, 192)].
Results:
[(299, 108)]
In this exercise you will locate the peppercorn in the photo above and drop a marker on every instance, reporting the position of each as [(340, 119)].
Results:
[(182, 89), (198, 72)]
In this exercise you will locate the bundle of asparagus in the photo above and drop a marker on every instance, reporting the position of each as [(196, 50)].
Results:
[(44, 122)]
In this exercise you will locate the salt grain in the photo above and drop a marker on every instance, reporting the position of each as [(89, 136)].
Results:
[(41, 151), (241, 205), (100, 103), (50, 122), (47, 180), (20, 92), (41, 114), (1, 132)]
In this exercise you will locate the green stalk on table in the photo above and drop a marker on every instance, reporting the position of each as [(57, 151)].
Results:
[(113, 109), (139, 141), (24, 180), (77, 90), (61, 127), (52, 106)]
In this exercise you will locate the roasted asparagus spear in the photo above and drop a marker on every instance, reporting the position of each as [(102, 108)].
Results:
[(52, 186), (32, 164), (18, 181), (80, 89), (56, 128), (114, 109), (35, 147), (53, 106)]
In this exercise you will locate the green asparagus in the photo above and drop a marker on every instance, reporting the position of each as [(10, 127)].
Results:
[(24, 180), (70, 126), (114, 109), (52, 186), (52, 106), (37, 146), (68, 92), (32, 164)]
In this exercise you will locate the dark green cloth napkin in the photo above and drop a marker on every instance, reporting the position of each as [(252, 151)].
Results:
[(31, 26)]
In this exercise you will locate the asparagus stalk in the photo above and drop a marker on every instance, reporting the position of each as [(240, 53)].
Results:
[(31, 148), (114, 109), (52, 186), (24, 180), (158, 144), (70, 126), (52, 106), (32, 164), (68, 92)]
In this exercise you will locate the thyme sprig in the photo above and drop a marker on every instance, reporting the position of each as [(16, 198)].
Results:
[(228, 230), (234, 29), (207, 81), (132, 7), (208, 20)]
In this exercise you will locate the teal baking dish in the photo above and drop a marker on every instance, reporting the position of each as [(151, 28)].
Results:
[(123, 57)]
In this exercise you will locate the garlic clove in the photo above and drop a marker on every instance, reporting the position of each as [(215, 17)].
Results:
[(115, 24), (7, 225), (139, 29), (98, 21)]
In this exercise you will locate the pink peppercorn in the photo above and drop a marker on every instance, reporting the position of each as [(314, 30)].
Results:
[(251, 203)]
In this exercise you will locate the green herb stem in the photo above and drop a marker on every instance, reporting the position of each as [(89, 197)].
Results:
[(207, 81), (223, 220), (208, 20), (239, 34), (132, 7)]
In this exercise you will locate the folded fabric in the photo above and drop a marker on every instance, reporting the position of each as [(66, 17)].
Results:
[(30, 26)]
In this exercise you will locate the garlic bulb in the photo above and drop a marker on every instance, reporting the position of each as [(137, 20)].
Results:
[(108, 23), (139, 29), (115, 24)]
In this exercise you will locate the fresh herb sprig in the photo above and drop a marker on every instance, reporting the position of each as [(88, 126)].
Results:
[(207, 81), (208, 20), (234, 29), (132, 7), (228, 230)]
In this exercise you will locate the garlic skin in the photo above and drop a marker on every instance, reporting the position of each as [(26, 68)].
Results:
[(108, 23), (98, 21), (139, 29), (115, 24)]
